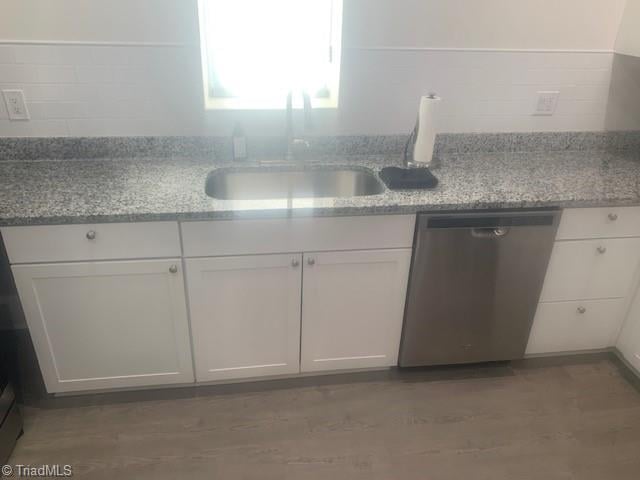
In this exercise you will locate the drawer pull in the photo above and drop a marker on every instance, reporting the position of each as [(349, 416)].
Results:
[(295, 263), (602, 250), (311, 262), (173, 269), (91, 235), (613, 217), (582, 310)]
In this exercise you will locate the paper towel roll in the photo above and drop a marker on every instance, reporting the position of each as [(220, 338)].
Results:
[(426, 130)]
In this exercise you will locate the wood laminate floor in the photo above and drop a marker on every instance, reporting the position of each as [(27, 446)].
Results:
[(571, 419)]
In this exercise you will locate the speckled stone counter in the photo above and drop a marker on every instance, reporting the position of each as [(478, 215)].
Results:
[(173, 188)]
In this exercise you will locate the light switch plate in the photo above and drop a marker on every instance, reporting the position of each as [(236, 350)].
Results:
[(546, 103), (16, 105)]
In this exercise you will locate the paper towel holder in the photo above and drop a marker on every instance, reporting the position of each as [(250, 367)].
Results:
[(411, 142)]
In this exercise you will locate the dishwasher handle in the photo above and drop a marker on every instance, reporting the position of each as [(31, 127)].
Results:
[(498, 232)]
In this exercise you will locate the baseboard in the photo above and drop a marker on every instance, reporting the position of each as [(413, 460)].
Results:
[(218, 383), (626, 364), (82, 399), (191, 390), (568, 354)]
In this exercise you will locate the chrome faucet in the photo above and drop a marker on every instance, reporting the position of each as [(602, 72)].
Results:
[(296, 145)]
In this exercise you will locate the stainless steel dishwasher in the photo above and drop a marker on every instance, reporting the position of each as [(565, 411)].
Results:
[(474, 287)]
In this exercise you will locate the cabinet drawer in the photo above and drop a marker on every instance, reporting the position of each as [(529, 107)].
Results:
[(574, 326), (246, 237), (591, 269), (67, 243), (586, 223)]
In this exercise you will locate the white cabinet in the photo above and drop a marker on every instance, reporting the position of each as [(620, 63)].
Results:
[(629, 340), (296, 234), (589, 269), (245, 315), (352, 309), (585, 223), (111, 241), (104, 315), (573, 326), (274, 313), (107, 324), (591, 274), (246, 312)]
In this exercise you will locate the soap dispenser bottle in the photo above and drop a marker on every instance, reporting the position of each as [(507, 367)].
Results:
[(239, 142)]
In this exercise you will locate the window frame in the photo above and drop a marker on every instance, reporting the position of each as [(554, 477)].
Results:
[(236, 103)]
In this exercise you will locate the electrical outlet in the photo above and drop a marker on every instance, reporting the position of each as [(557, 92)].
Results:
[(14, 99), (546, 103)]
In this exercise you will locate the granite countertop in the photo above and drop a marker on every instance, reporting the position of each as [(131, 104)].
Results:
[(153, 189)]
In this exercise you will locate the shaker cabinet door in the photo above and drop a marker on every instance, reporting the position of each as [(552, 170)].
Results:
[(352, 309), (107, 325), (245, 315)]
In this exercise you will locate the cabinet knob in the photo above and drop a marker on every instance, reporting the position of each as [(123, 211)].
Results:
[(582, 310), (602, 250), (613, 217), (173, 269), (91, 235), (295, 263), (311, 262)]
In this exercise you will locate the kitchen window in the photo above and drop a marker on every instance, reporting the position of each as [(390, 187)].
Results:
[(254, 52)]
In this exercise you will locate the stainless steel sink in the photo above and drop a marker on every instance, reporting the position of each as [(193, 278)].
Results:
[(258, 184)]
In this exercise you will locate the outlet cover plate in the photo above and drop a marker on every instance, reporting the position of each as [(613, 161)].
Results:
[(546, 103), (16, 105)]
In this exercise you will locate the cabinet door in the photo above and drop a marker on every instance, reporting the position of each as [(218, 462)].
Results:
[(245, 315), (352, 309), (107, 325), (573, 326), (589, 269)]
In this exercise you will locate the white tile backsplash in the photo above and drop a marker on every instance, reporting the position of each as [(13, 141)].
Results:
[(56, 74), (57, 92), (11, 73), (34, 128), (155, 90), (94, 74), (482, 91), (6, 54), (51, 110), (53, 54)]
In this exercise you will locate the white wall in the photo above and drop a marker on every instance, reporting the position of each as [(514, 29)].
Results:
[(528, 24), (164, 21), (395, 51), (628, 42), (516, 24), (623, 109)]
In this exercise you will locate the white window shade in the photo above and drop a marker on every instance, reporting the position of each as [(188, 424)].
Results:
[(255, 51)]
